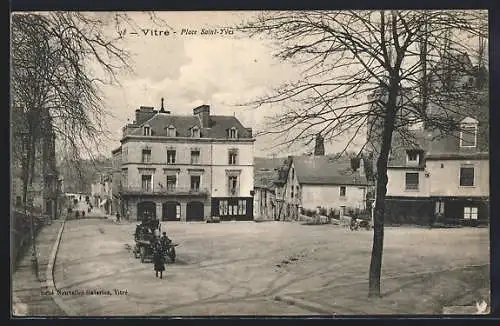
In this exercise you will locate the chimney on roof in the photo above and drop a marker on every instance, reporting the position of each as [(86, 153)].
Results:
[(144, 113), (203, 113), (319, 148)]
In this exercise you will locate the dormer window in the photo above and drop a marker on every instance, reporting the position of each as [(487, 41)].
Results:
[(468, 133), (233, 133), (195, 132), (412, 157), (171, 132), (147, 131)]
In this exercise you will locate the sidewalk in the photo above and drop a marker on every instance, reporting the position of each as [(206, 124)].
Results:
[(423, 293), (27, 288)]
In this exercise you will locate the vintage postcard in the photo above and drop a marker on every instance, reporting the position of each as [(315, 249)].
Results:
[(261, 163)]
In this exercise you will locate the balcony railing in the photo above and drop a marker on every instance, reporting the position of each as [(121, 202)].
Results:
[(163, 191)]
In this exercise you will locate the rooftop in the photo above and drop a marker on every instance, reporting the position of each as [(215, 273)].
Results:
[(325, 170), (266, 171), (209, 126)]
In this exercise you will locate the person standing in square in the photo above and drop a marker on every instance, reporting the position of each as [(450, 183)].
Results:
[(158, 259)]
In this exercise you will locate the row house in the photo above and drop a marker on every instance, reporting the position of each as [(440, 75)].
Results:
[(266, 187), (116, 183), (45, 190), (444, 179), (443, 176), (102, 193), (185, 167)]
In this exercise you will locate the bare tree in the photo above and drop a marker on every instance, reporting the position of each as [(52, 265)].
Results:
[(369, 74), (59, 61)]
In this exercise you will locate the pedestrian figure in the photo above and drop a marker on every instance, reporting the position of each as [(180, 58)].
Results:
[(354, 223), (164, 240), (117, 217), (158, 259), (83, 214)]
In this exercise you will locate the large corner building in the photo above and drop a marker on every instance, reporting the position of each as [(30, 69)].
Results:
[(184, 167)]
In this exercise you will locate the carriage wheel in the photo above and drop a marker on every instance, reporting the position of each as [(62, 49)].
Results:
[(143, 254), (172, 255)]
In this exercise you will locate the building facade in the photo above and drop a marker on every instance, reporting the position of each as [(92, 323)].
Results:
[(443, 176), (266, 181), (116, 174), (102, 193), (45, 191), (324, 182), (186, 168), (445, 179)]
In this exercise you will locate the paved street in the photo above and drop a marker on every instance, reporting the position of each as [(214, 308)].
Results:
[(238, 268), (83, 206), (27, 286)]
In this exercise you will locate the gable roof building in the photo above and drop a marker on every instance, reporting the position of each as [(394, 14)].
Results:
[(323, 181), (325, 170)]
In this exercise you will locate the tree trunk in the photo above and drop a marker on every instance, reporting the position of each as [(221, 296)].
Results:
[(381, 189)]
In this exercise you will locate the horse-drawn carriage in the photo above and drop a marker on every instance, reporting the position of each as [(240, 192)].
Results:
[(147, 239)]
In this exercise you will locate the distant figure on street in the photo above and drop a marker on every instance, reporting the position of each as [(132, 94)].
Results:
[(117, 217), (158, 260), (83, 214), (353, 222), (164, 240), (137, 231)]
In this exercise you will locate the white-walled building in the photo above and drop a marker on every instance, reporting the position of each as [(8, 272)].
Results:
[(446, 178), (325, 182), (186, 168), (102, 193)]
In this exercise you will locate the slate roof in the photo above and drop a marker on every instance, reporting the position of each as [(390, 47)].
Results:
[(324, 170), (268, 163), (183, 124), (265, 178), (265, 172), (435, 146)]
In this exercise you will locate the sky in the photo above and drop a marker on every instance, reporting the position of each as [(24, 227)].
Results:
[(222, 71), (187, 70)]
